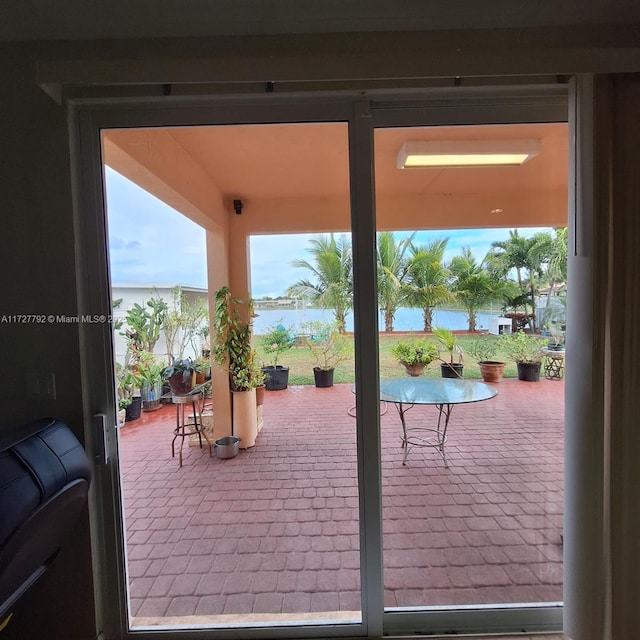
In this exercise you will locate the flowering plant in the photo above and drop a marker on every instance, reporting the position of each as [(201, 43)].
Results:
[(277, 340)]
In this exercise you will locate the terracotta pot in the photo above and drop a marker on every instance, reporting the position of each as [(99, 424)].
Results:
[(201, 376), (260, 395), (414, 370), (491, 371)]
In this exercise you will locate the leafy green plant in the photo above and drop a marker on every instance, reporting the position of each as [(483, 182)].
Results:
[(483, 350), (149, 369), (128, 383), (327, 346), (231, 342), (144, 324), (277, 340), (184, 366), (415, 352), (522, 347), (450, 343)]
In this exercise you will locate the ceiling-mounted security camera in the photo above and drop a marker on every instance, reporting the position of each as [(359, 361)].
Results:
[(237, 206)]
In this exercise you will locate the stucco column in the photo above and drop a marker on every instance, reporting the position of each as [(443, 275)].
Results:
[(218, 276)]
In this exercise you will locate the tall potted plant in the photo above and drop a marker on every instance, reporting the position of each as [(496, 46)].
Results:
[(452, 367), (526, 350), (484, 351), (328, 348), (415, 355), (231, 347), (277, 340)]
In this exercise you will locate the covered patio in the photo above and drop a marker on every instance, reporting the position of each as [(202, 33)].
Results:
[(273, 534)]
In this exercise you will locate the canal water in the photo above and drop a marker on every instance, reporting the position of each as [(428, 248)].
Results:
[(405, 319)]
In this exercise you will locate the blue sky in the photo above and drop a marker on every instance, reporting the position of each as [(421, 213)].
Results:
[(152, 244)]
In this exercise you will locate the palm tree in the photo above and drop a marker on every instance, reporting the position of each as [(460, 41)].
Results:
[(473, 285), (427, 279), (392, 270), (527, 256), (556, 272), (332, 269)]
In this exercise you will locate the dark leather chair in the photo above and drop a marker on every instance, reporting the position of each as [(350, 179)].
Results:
[(44, 484)]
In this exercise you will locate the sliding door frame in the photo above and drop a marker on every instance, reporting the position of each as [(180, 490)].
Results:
[(363, 113)]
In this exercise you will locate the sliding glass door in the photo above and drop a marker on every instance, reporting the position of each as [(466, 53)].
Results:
[(329, 523)]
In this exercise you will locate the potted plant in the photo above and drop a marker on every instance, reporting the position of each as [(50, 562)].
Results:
[(484, 351), (277, 340), (415, 355), (328, 349), (231, 347), (449, 368), (150, 372), (526, 350), (128, 384), (123, 403), (180, 376), (203, 369)]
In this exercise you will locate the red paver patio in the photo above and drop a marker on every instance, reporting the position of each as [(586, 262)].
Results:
[(275, 530)]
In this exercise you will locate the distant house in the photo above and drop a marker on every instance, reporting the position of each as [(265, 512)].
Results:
[(131, 294)]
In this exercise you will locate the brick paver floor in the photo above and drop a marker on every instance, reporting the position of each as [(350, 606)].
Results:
[(274, 531)]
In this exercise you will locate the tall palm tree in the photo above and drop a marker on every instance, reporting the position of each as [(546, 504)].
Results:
[(473, 285), (392, 270), (427, 279), (331, 285), (527, 256)]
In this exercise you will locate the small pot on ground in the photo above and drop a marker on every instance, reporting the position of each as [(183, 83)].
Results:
[(277, 377), (260, 395), (528, 371), (451, 369), (491, 370), (323, 377), (227, 447)]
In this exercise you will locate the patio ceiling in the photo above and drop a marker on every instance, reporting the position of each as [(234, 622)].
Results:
[(270, 166)]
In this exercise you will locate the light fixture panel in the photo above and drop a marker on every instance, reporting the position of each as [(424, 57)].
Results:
[(467, 153)]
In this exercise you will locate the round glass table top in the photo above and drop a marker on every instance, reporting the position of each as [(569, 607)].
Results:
[(435, 390)]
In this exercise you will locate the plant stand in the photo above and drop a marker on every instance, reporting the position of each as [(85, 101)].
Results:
[(184, 428), (553, 364)]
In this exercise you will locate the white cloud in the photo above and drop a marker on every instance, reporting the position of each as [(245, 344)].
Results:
[(149, 242)]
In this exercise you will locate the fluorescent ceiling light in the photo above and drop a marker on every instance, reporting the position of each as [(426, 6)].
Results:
[(467, 153)]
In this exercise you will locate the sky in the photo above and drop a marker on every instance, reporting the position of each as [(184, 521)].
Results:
[(152, 244)]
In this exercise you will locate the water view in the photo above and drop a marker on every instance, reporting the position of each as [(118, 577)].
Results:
[(405, 319)]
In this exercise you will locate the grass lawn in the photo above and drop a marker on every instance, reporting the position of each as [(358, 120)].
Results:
[(301, 363)]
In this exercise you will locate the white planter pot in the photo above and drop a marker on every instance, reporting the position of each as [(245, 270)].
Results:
[(245, 418)]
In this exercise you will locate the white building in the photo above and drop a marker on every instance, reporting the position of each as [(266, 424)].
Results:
[(131, 294)]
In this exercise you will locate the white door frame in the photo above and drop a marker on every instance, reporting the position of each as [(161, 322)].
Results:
[(363, 113)]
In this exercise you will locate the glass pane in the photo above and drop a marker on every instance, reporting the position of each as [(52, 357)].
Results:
[(262, 531), (472, 470)]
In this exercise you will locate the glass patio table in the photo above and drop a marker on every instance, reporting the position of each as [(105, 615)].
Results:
[(443, 393)]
